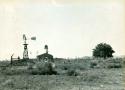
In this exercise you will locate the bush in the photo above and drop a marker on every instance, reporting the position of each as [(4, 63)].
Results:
[(30, 67), (107, 63), (43, 68), (113, 65), (93, 64), (72, 72)]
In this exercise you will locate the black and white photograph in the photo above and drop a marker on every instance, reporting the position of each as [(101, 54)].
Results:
[(62, 45)]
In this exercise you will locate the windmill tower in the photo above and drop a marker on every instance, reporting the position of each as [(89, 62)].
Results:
[(25, 52)]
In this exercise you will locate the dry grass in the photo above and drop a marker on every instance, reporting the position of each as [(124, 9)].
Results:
[(100, 79), (97, 76)]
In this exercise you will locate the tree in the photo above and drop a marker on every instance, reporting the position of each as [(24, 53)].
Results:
[(103, 50)]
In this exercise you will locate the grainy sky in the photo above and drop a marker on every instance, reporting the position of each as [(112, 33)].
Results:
[(69, 29)]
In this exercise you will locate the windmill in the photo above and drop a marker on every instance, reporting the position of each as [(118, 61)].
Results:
[(25, 52)]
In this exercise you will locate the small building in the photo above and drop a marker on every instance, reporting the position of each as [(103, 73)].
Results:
[(45, 56)]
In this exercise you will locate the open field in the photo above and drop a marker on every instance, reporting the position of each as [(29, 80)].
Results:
[(89, 77), (95, 79)]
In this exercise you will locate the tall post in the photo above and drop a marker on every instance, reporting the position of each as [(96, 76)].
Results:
[(11, 62)]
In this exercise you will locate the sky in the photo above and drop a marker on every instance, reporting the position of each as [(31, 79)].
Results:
[(69, 30)]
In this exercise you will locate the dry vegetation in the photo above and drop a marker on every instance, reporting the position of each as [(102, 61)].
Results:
[(72, 74)]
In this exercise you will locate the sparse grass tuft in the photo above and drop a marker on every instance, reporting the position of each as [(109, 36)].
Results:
[(91, 77)]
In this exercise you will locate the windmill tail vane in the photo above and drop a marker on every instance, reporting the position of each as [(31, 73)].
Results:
[(33, 38)]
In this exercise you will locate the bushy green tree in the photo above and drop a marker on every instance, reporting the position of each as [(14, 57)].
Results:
[(103, 50)]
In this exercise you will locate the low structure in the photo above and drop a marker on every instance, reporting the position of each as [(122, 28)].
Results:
[(45, 56)]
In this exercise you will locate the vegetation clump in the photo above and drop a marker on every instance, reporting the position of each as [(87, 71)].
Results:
[(43, 68), (72, 72), (103, 50)]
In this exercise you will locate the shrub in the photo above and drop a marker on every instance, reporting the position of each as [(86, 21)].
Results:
[(43, 68), (113, 65), (30, 67), (72, 72), (34, 71), (93, 64), (3, 69)]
